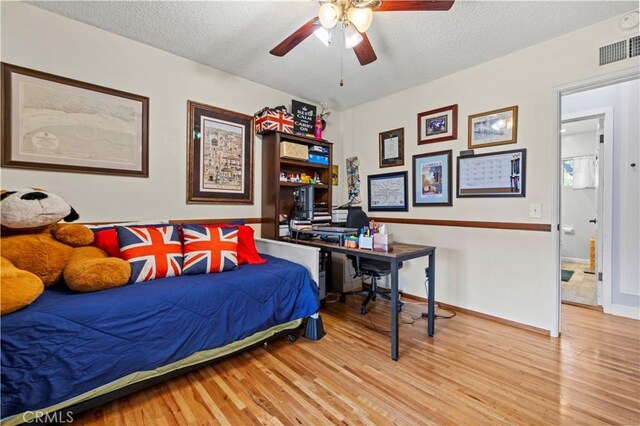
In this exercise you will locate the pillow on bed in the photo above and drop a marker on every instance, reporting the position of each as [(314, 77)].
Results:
[(105, 236), (247, 251), (153, 252), (209, 249)]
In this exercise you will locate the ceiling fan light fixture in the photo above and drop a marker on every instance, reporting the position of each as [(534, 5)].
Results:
[(324, 35), (329, 15), (352, 37), (361, 17)]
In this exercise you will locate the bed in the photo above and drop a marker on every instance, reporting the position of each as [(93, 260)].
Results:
[(80, 349)]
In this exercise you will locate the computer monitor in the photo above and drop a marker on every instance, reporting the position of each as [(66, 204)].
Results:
[(303, 202)]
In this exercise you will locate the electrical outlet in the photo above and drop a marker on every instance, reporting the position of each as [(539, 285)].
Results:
[(535, 210)]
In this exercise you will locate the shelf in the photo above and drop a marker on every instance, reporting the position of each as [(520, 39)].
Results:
[(317, 185), (301, 163)]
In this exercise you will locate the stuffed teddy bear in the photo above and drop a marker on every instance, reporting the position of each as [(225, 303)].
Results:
[(37, 252)]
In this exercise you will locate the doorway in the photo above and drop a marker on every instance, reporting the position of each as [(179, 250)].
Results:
[(617, 221), (581, 195)]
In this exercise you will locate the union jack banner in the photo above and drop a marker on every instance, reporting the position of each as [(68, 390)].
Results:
[(153, 252), (209, 249)]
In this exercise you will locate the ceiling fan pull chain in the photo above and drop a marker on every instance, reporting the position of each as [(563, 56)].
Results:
[(341, 56)]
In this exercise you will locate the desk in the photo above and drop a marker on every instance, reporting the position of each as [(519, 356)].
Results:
[(400, 252)]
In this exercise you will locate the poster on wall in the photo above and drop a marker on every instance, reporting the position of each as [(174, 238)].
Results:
[(353, 180), (219, 155), (304, 117), (498, 174), (432, 179)]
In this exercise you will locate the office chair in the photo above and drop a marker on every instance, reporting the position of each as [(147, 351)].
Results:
[(357, 218)]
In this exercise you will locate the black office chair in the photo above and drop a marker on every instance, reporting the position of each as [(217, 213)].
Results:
[(357, 218)]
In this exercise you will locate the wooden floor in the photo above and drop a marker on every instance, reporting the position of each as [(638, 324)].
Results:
[(474, 371)]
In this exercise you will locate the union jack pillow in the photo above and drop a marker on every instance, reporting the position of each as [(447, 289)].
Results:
[(153, 252), (209, 249)]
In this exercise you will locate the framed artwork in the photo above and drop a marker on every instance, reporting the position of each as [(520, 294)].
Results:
[(335, 175), (219, 155), (497, 174), (388, 192), (438, 125), (55, 123), (491, 128), (432, 179), (391, 148)]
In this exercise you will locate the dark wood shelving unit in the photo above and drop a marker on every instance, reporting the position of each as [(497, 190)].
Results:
[(277, 196)]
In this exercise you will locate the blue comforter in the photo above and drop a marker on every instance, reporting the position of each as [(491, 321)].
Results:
[(68, 343)]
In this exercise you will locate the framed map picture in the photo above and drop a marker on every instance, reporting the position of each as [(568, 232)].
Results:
[(388, 192), (219, 156), (432, 179), (55, 123)]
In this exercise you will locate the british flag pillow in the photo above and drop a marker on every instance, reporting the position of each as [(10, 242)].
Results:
[(208, 249), (153, 252)]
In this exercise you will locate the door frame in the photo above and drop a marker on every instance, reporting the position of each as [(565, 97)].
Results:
[(605, 208), (559, 91)]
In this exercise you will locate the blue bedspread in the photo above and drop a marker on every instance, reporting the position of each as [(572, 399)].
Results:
[(68, 343)]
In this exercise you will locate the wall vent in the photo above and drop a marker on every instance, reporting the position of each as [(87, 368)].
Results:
[(634, 46), (613, 52)]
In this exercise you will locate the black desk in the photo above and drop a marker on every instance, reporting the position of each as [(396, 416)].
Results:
[(400, 252)]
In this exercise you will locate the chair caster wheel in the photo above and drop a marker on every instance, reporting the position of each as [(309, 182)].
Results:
[(400, 305), (363, 310), (292, 337), (374, 298), (342, 298)]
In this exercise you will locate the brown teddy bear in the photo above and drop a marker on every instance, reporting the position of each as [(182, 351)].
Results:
[(37, 252)]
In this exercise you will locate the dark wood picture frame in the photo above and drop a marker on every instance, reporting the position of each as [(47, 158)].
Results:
[(56, 147), (420, 196), (438, 125), (398, 207), (237, 134), (518, 187), (497, 113), (387, 136)]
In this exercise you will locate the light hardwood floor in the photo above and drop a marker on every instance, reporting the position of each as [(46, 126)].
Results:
[(474, 371)]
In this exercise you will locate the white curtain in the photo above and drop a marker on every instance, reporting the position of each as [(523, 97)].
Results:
[(585, 172)]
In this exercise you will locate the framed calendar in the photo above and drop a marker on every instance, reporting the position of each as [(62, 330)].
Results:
[(497, 174)]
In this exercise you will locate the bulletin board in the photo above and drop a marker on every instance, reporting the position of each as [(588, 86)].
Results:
[(497, 174)]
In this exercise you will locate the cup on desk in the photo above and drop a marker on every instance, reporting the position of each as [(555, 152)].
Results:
[(366, 242)]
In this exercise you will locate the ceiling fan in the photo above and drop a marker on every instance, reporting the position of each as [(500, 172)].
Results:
[(353, 17)]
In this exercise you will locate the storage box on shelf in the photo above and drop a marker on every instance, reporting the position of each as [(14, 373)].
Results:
[(277, 192), (270, 119)]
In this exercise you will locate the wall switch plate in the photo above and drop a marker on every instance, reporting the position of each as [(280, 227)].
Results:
[(535, 210)]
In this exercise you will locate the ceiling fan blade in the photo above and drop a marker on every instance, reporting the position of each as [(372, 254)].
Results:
[(417, 5), (296, 38), (364, 51)]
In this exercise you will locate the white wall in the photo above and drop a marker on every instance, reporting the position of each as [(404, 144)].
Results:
[(44, 41), (499, 272), (578, 205), (624, 98)]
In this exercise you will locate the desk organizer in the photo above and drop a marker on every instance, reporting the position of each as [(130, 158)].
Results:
[(366, 243)]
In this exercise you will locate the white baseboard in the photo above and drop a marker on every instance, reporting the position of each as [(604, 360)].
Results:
[(575, 260), (632, 312)]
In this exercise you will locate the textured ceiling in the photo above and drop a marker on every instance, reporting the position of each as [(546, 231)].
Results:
[(412, 47)]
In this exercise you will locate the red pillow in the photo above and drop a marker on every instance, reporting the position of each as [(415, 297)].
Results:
[(247, 251), (107, 240)]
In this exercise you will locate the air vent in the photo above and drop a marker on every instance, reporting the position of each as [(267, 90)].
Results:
[(613, 52), (634, 46)]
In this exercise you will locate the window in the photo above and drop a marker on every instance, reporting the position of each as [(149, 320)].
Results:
[(567, 172)]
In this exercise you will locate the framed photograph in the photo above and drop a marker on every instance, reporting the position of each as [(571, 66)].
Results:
[(497, 174), (491, 128), (438, 125), (388, 192), (219, 155), (55, 123), (335, 175), (432, 179), (391, 148)]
